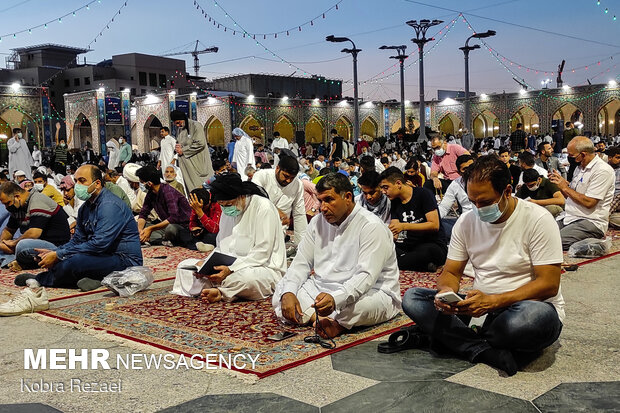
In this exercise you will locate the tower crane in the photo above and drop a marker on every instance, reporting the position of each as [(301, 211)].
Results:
[(195, 53)]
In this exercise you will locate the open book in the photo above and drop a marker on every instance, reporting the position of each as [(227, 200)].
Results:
[(213, 260)]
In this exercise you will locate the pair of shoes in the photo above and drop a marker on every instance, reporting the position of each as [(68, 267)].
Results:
[(28, 301), (202, 247), (145, 245), (406, 338), (88, 284), (167, 243), (20, 280)]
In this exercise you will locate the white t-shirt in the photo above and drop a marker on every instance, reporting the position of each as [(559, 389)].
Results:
[(503, 255), (541, 171), (596, 181)]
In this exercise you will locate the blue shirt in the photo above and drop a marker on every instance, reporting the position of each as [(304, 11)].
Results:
[(105, 226), (231, 150)]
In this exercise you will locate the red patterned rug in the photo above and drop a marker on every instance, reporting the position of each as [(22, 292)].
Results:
[(190, 326), (163, 261)]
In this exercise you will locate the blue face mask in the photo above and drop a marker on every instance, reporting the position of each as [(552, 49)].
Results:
[(490, 213), (230, 210)]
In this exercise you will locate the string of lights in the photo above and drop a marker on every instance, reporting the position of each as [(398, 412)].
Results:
[(107, 25), (606, 11)]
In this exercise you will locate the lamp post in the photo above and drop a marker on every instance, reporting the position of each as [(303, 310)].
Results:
[(466, 49), (353, 52), (420, 28), (401, 56)]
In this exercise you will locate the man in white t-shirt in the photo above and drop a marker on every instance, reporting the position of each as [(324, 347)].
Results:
[(278, 141), (588, 196), (516, 253)]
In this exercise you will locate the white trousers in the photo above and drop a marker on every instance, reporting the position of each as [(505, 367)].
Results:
[(372, 308), (255, 283)]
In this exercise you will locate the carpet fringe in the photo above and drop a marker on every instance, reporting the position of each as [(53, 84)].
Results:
[(142, 348)]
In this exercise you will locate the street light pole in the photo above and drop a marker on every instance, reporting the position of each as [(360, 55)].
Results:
[(353, 52), (401, 58), (466, 49), (420, 28)]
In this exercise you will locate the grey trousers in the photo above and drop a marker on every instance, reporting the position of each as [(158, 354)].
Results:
[(576, 231)]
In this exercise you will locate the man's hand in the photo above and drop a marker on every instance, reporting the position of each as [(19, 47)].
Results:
[(445, 308), (437, 183), (178, 149), (325, 304), (57, 125), (145, 234), (284, 218), (291, 309), (556, 178), (476, 303), (47, 258), (396, 227), (197, 205), (217, 278)]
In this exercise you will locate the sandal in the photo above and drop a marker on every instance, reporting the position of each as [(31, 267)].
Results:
[(407, 338)]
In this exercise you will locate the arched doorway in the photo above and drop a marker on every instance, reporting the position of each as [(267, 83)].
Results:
[(82, 132), (526, 116), (411, 125), (369, 129), (607, 118), (450, 124), (343, 126), (214, 131), (285, 127), (152, 127), (568, 113), (13, 118), (315, 130), (253, 128), (485, 124)]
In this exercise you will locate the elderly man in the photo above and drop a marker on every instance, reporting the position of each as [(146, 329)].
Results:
[(170, 176), (588, 195), (244, 152), (250, 231), (105, 240), (355, 280), (286, 192), (515, 250), (191, 148), (443, 162)]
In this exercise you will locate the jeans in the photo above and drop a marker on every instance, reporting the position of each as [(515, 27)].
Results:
[(66, 273), (525, 326), (448, 224), (25, 251)]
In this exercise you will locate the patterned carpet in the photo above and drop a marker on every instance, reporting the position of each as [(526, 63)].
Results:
[(163, 261), (190, 326)]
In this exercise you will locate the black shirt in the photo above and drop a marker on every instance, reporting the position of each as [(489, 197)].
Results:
[(515, 171), (422, 202), (337, 140), (544, 191)]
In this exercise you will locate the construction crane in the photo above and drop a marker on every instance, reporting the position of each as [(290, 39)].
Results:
[(195, 53)]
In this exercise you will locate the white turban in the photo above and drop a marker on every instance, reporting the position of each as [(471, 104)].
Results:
[(129, 172), (239, 132)]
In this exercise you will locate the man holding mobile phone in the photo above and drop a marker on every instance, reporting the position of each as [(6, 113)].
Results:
[(516, 252)]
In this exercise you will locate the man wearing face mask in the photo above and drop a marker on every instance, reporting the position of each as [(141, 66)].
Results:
[(249, 230), (19, 154), (41, 185), (443, 162), (125, 151), (516, 254), (588, 195), (105, 240), (286, 192), (539, 190), (171, 207)]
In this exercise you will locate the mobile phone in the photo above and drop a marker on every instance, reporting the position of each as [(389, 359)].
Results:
[(282, 335), (449, 297)]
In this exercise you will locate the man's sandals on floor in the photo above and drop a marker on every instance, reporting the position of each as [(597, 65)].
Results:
[(404, 339)]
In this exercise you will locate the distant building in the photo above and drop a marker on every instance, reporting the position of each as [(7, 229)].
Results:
[(453, 94), (275, 86)]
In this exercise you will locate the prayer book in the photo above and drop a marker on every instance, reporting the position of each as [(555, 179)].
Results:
[(213, 260)]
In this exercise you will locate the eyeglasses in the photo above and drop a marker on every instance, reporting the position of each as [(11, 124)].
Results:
[(316, 338)]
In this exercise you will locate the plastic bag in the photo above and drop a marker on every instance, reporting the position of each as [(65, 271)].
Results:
[(129, 281), (590, 248)]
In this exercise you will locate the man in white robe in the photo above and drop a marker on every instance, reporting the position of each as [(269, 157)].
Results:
[(113, 153), (250, 231), (19, 154), (166, 148), (355, 281), (286, 192), (244, 152)]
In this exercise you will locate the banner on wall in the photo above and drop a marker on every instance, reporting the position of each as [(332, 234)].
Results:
[(113, 114), (183, 106), (386, 122)]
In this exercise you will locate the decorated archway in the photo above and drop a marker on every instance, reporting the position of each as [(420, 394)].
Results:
[(315, 130), (369, 129), (450, 124), (568, 113), (343, 126), (13, 118), (214, 131), (607, 122), (152, 127), (253, 127), (82, 132), (485, 124), (526, 116), (285, 127)]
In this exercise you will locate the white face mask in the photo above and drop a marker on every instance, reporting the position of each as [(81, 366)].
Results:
[(440, 152), (19, 135), (38, 187)]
